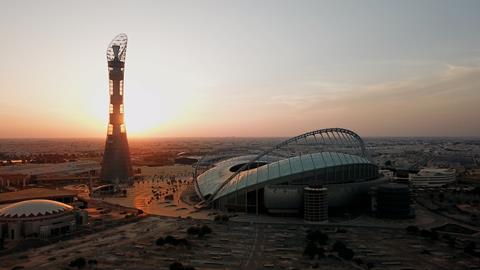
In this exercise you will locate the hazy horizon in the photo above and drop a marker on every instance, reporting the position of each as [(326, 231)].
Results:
[(236, 137), (246, 69)]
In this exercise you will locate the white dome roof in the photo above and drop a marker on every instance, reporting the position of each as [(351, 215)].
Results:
[(34, 208)]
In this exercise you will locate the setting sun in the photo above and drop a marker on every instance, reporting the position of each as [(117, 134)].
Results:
[(147, 111)]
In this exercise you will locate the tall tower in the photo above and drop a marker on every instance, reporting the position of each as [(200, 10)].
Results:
[(116, 165)]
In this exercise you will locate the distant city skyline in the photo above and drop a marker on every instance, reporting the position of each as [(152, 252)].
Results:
[(242, 68)]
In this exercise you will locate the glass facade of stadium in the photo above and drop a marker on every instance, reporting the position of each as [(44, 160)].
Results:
[(344, 175)]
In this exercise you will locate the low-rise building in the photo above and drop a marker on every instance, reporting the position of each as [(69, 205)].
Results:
[(39, 219), (432, 178)]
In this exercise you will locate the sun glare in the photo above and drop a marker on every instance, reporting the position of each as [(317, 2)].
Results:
[(147, 111)]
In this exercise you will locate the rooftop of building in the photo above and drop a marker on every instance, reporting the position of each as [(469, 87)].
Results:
[(39, 169), (393, 186), (428, 171), (34, 193), (34, 208)]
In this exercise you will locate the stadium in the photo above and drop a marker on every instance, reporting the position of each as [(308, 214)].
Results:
[(274, 180)]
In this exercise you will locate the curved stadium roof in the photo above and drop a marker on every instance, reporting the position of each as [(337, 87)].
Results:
[(212, 179)]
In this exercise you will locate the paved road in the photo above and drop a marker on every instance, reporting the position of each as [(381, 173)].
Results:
[(256, 252)]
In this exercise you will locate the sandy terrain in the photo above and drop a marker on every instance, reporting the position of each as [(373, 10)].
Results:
[(241, 246)]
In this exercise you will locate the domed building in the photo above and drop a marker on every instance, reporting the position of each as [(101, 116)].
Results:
[(38, 218)]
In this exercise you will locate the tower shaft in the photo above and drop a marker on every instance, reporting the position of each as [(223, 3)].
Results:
[(116, 165)]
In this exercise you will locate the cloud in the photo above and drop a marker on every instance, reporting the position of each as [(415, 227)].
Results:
[(455, 81), (443, 104)]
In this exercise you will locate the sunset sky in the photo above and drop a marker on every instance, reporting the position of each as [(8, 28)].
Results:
[(242, 68)]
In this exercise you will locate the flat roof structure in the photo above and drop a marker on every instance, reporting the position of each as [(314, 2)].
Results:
[(35, 193), (57, 168)]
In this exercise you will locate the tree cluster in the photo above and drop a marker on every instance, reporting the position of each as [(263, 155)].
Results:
[(172, 240), (81, 262), (315, 241), (221, 218), (424, 233), (412, 229), (343, 251), (431, 234), (470, 248), (180, 266), (200, 231)]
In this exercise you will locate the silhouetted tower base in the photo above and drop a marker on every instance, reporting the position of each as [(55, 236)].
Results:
[(116, 167)]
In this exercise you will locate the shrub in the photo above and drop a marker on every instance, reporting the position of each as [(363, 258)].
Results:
[(425, 233), (200, 231), (346, 254), (78, 262), (160, 241), (338, 246), (426, 252), (176, 266), (180, 266), (171, 240), (317, 236), (194, 230), (204, 230), (358, 261), (310, 250), (451, 242), (321, 252), (221, 218), (412, 229), (183, 242), (343, 251), (470, 248)]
